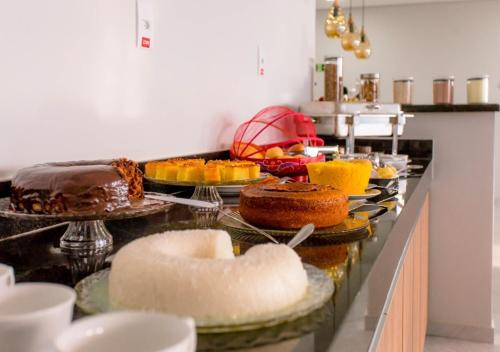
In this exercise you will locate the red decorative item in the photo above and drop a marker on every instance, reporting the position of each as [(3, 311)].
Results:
[(276, 126)]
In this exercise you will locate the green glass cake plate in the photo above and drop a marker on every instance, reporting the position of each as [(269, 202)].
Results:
[(93, 298), (344, 231)]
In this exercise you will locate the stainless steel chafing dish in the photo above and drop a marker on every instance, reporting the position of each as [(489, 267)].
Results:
[(350, 120)]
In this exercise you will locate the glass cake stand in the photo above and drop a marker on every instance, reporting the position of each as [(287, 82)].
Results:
[(353, 228), (208, 192), (86, 241)]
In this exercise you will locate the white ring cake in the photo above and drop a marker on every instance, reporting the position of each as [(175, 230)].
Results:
[(195, 273)]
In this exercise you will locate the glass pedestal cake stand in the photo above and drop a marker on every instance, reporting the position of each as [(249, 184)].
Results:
[(87, 242), (208, 192)]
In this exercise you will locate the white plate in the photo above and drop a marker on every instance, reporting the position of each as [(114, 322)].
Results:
[(92, 298), (369, 193)]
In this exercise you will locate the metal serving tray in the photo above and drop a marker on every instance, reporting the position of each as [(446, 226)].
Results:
[(370, 120)]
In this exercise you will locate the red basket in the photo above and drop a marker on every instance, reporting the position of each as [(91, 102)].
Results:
[(276, 126)]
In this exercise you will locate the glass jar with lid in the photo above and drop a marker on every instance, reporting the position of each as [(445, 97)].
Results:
[(334, 87), (443, 90), (370, 87), (403, 91), (477, 90)]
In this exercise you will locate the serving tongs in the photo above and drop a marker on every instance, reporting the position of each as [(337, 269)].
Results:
[(298, 238)]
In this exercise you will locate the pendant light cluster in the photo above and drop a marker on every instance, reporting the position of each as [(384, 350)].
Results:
[(351, 40), (335, 25)]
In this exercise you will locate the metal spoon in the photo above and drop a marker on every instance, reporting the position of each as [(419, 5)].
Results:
[(256, 229), (301, 236), (177, 200)]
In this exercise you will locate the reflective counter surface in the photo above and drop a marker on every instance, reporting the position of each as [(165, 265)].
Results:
[(339, 326)]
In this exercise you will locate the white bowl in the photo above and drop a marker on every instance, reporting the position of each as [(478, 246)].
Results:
[(33, 314), (6, 276), (128, 331)]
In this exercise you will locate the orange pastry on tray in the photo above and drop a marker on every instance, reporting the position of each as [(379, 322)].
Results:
[(196, 170), (292, 205)]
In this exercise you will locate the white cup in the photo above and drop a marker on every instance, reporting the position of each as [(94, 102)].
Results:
[(6, 276), (33, 314), (129, 331)]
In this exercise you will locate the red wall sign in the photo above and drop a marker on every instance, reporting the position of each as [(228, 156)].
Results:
[(145, 42)]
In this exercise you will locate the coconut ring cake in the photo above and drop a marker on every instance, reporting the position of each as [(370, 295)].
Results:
[(195, 273)]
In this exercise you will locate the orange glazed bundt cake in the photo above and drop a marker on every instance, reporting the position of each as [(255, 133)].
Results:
[(292, 205)]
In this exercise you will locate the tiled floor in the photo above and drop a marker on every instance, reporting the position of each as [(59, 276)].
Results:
[(439, 344)]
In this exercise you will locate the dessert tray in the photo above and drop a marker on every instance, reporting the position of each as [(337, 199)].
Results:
[(369, 193), (352, 228), (224, 189), (138, 208), (384, 182), (93, 298), (282, 337), (239, 183), (372, 212)]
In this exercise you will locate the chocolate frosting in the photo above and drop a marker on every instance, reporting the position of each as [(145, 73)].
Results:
[(69, 187)]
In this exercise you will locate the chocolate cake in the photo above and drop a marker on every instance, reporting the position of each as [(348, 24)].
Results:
[(292, 205), (78, 187)]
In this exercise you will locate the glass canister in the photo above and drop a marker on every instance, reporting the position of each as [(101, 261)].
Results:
[(443, 90), (370, 87), (403, 91), (477, 90), (334, 86)]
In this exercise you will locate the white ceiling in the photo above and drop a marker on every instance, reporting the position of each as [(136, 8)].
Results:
[(324, 4)]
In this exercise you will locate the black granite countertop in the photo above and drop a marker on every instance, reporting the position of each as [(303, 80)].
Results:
[(37, 257), (451, 108)]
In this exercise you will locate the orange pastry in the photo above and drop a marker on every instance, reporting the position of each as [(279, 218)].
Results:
[(212, 173), (195, 170)]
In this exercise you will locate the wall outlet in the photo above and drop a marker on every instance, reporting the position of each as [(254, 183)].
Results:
[(261, 62), (144, 24)]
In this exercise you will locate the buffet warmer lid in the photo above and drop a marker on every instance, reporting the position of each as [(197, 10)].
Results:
[(369, 119), (329, 108)]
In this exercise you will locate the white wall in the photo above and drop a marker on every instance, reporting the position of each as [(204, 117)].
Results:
[(461, 232), (74, 86), (425, 41)]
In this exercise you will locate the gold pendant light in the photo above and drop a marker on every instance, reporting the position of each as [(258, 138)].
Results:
[(335, 24), (351, 38), (364, 50)]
